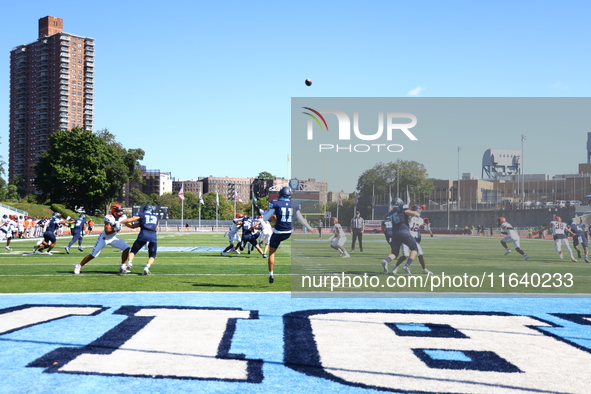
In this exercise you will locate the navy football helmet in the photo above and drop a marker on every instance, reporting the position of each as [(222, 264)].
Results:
[(83, 217), (56, 215), (285, 193), (397, 202), (149, 208)]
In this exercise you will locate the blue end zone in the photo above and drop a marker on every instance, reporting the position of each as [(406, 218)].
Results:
[(272, 343)]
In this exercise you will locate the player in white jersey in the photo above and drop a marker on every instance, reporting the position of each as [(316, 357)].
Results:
[(339, 238), (7, 230), (559, 230), (415, 223), (266, 232), (109, 237), (233, 235), (511, 235)]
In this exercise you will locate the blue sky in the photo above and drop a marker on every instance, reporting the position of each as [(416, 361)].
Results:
[(205, 87)]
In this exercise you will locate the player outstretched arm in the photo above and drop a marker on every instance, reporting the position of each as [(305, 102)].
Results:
[(303, 220), (133, 222)]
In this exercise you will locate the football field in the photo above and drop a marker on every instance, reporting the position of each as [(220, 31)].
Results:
[(206, 323), (192, 262)]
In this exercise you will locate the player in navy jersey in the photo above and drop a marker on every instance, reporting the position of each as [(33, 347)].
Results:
[(580, 238), (147, 221), (49, 234), (399, 217), (77, 230), (284, 211), (249, 237)]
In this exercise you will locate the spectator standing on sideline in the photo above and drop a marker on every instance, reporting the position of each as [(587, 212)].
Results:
[(319, 227), (357, 228)]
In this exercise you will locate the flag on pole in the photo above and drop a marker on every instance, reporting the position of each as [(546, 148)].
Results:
[(237, 197), (217, 199), (182, 193), (201, 199), (340, 199), (407, 196)]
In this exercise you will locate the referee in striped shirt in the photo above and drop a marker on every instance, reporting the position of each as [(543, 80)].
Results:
[(357, 228)]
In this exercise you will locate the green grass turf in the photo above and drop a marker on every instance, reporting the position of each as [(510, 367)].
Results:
[(461, 264), (454, 257)]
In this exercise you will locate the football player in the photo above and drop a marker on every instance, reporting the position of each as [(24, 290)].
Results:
[(109, 237), (415, 224), (284, 211), (147, 221), (78, 226), (338, 238), (248, 235), (266, 232), (399, 217), (511, 235), (559, 230), (233, 235), (580, 238), (49, 238)]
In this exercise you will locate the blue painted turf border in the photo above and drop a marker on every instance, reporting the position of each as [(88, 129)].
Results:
[(262, 338)]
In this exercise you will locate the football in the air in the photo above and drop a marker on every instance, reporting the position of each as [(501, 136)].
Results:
[(308, 82)]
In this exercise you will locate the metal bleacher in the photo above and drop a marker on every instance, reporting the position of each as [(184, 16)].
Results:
[(8, 210)]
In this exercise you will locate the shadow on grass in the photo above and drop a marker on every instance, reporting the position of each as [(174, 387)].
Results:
[(94, 272), (213, 285)]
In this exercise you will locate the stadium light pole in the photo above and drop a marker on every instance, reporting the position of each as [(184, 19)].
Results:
[(523, 138), (459, 179)]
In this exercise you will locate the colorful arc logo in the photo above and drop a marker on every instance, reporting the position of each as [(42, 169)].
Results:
[(315, 118)]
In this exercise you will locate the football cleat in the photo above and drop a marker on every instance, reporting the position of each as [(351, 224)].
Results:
[(507, 252), (427, 272), (406, 268), (385, 266), (525, 257), (77, 269), (8, 248), (146, 271), (123, 269), (67, 249), (573, 260), (271, 279), (394, 270), (586, 259)]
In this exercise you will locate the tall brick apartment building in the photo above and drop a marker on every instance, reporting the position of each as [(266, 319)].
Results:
[(51, 88)]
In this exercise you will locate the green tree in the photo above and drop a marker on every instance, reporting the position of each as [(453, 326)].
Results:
[(136, 197), (225, 208), (3, 189), (383, 181), (265, 175), (84, 169)]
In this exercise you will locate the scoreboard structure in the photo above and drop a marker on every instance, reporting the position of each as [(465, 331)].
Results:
[(162, 212), (307, 195)]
